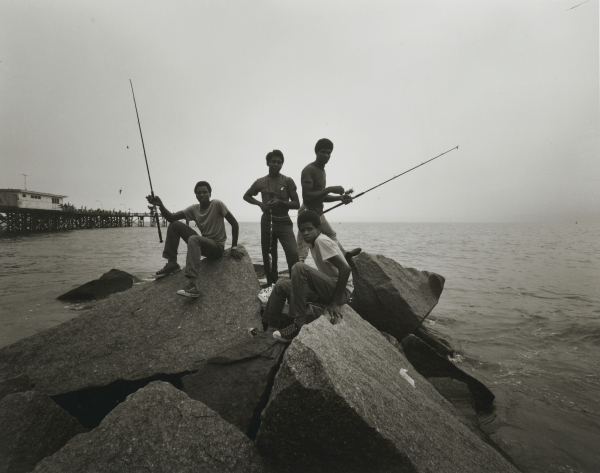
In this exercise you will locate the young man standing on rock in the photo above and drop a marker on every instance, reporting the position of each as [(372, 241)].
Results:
[(331, 282), (210, 216), (278, 194), (315, 192)]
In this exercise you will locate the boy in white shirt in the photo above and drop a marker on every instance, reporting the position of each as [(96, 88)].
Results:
[(331, 281)]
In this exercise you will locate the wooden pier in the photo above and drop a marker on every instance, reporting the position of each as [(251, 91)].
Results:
[(21, 220)]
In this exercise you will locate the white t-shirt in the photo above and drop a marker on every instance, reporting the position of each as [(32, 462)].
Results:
[(325, 248)]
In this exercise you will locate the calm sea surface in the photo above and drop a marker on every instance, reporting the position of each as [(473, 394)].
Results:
[(521, 305)]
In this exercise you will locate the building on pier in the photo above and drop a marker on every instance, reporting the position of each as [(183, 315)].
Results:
[(24, 199)]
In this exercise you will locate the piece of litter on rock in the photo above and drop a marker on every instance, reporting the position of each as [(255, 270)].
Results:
[(404, 374)]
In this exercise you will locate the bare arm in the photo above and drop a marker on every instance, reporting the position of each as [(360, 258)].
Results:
[(171, 217), (344, 272), (309, 194), (248, 197), (294, 200), (235, 228), (235, 231)]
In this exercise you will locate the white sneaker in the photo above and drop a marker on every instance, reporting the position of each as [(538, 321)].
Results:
[(265, 293)]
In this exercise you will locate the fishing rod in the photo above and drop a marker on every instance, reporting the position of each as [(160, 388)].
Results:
[(153, 208), (369, 190)]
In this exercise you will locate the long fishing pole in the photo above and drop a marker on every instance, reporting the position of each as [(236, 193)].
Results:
[(369, 190), (153, 209)]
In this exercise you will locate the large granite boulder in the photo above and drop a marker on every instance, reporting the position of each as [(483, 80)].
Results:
[(392, 298), (159, 429), (109, 283), (144, 332), (431, 364), (237, 382), (32, 426), (346, 400), (16, 384)]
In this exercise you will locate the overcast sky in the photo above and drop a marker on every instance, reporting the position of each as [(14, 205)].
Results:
[(219, 84)]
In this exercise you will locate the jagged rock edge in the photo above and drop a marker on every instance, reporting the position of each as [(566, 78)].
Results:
[(92, 404)]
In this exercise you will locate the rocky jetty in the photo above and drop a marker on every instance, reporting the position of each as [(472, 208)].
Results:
[(167, 383)]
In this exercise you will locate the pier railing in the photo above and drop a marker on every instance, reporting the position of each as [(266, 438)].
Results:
[(20, 220)]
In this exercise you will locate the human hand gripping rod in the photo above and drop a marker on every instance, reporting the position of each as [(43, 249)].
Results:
[(368, 190), (154, 211)]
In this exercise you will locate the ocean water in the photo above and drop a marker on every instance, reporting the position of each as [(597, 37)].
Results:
[(521, 305)]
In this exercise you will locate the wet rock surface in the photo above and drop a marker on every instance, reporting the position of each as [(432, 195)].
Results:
[(158, 429), (352, 407), (109, 283), (392, 298), (236, 383), (32, 426), (458, 394), (431, 364), (146, 331)]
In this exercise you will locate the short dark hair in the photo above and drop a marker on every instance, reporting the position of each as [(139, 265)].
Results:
[(273, 154), (323, 143), (309, 216), (203, 183)]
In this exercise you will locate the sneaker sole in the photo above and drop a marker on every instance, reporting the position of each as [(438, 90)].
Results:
[(187, 294), (158, 276), (281, 339)]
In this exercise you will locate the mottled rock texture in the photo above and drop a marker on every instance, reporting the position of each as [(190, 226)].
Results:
[(145, 331), (340, 403), (395, 343), (109, 283), (159, 429), (392, 298), (14, 385), (32, 426), (237, 382)]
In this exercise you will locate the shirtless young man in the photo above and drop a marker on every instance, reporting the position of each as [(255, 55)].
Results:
[(315, 192), (331, 282), (278, 194), (210, 216)]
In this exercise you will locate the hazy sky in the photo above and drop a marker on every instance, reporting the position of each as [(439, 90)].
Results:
[(219, 84)]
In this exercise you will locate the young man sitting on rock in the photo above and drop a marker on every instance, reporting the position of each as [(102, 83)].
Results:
[(210, 216), (331, 282)]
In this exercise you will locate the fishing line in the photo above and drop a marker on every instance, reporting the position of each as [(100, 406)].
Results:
[(153, 209), (385, 182)]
